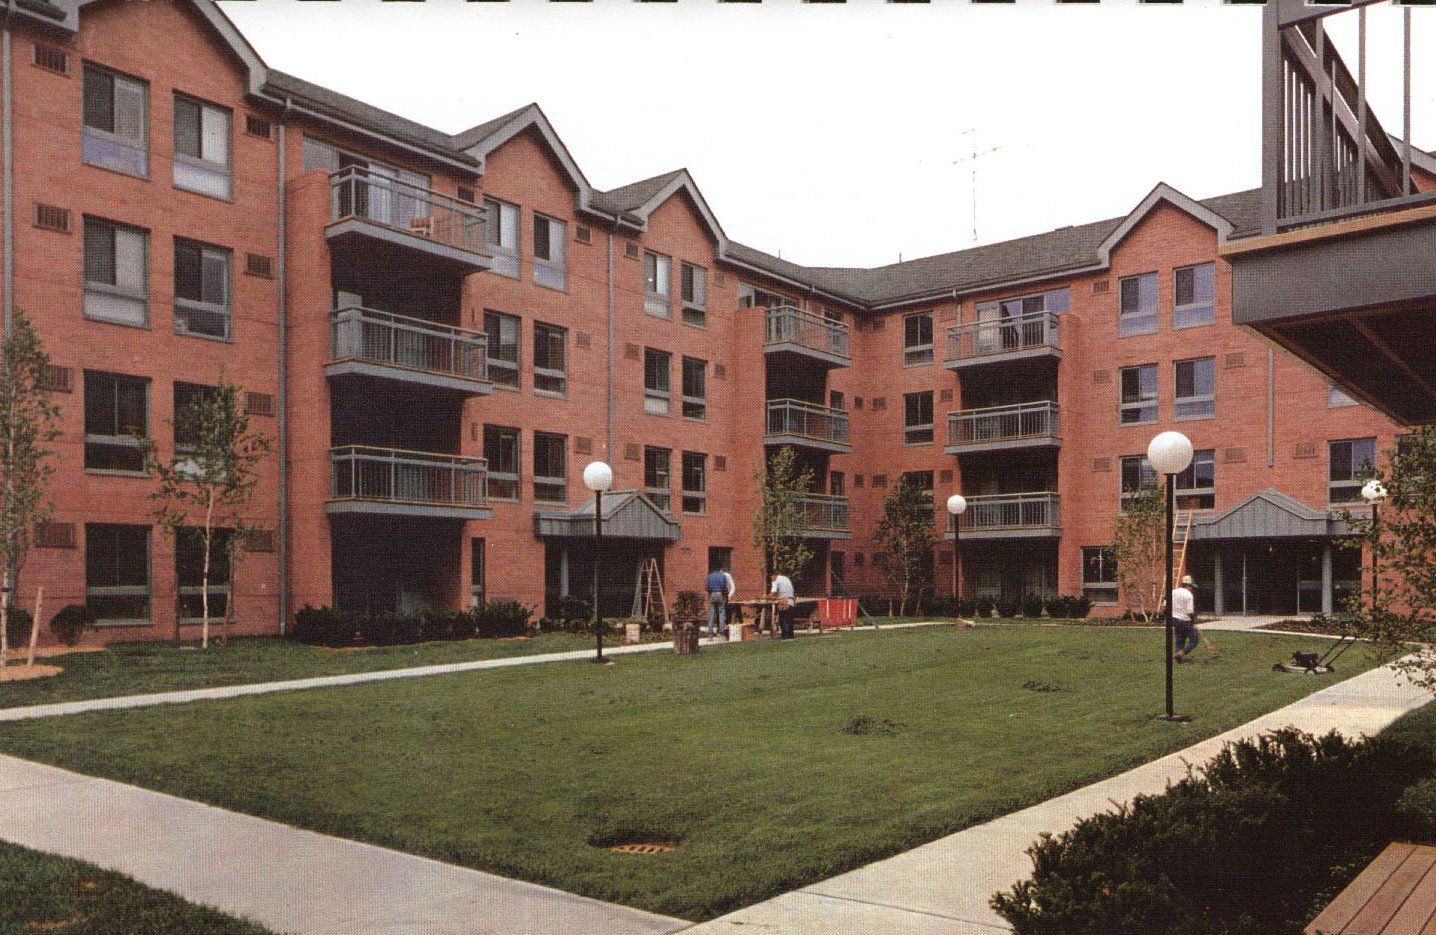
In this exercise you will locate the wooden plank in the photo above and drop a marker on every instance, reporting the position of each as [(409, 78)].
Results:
[(1351, 901), (1417, 912), (1379, 912)]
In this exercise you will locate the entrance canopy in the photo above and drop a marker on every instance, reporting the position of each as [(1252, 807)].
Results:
[(627, 514), (1270, 514)]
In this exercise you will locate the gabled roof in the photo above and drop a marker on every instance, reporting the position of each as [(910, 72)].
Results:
[(1269, 513), (1163, 193), (627, 514), (477, 142), (640, 199)]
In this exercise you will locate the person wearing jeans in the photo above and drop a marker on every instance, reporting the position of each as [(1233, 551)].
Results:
[(717, 586)]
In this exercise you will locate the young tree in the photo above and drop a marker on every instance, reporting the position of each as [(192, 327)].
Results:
[(1399, 608), (905, 532), (1139, 534), (27, 425), (781, 516), (208, 482)]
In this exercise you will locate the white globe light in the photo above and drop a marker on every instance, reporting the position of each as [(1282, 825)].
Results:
[(956, 504), (1373, 491), (598, 476), (1170, 453)]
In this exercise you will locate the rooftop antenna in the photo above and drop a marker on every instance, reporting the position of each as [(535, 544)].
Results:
[(973, 159)]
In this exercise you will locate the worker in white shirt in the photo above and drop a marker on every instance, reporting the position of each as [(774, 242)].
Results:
[(1184, 614)]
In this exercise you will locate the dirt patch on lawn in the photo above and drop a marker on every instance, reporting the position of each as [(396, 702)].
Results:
[(21, 672)]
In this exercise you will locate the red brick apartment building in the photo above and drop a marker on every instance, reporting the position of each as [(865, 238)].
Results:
[(440, 332)]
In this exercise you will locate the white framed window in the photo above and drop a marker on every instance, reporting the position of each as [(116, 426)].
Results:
[(190, 573), (116, 273), (550, 360), (657, 383), (1195, 386), (695, 483), (750, 296), (1138, 312), (117, 422), (202, 289), (917, 418), (1194, 295), (917, 339), (658, 476), (550, 467), (1099, 574), (502, 339), (1136, 474), (695, 389), (657, 284), (501, 451), (501, 236), (1139, 394), (1351, 461), (116, 122), (1195, 488), (117, 573), (694, 293), (550, 258), (202, 146)]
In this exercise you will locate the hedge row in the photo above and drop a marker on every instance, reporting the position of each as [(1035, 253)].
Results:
[(329, 626), (1063, 607)]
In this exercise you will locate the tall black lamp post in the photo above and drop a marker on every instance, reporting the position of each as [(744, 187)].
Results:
[(1169, 454), (956, 506), (1373, 492), (598, 477)]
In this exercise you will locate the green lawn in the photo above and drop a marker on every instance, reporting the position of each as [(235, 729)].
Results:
[(770, 764), (142, 668), (44, 893)]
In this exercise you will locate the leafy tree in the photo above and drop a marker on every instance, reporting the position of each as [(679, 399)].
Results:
[(1139, 541), (27, 425), (208, 482), (905, 533), (1399, 608), (781, 517)]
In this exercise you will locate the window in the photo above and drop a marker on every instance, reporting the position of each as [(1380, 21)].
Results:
[(501, 236), (1196, 388), (186, 431), (694, 287), (1139, 394), (202, 147), (550, 265), (695, 482), (752, 296), (477, 574), (917, 339), (1099, 574), (1136, 475), (922, 480), (189, 573), (1336, 398), (917, 418), (657, 293), (835, 399), (116, 273), (202, 305), (501, 333), (117, 572), (1022, 321), (1352, 461), (550, 365), (657, 391), (836, 484), (116, 121), (369, 189), (1193, 296), (695, 388), (116, 422), (1139, 305), (658, 476), (501, 451), (1196, 486), (550, 467)]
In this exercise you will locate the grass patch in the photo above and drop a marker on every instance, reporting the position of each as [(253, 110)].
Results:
[(144, 668), (738, 756), (44, 893)]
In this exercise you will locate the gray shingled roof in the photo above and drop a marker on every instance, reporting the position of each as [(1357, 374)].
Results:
[(635, 195), (332, 103), (481, 132)]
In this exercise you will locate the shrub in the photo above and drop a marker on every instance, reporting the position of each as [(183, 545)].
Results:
[(17, 627), (1007, 607), (1256, 842), (573, 608), (324, 626), (1031, 605), (503, 618), (1417, 808), (70, 623), (690, 605), (1079, 606)]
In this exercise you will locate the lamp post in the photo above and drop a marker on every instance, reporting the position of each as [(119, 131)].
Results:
[(1169, 454), (957, 505), (1373, 492), (597, 477)]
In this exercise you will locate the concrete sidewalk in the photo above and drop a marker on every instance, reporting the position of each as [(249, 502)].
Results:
[(299, 882)]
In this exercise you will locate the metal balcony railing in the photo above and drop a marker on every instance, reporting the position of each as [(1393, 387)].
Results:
[(789, 325), (400, 341), (363, 473), (1002, 423), (360, 192), (807, 420), (1010, 511), (826, 513), (1002, 336)]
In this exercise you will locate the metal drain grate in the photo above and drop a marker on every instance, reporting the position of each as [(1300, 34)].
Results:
[(641, 848)]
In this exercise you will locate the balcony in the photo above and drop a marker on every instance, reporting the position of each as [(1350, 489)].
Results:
[(792, 330), (369, 208), (386, 481), (827, 517), (1000, 428), (802, 424), (1002, 340), (1011, 516), (368, 343)]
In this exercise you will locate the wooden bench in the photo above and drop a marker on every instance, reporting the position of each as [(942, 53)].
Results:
[(1396, 893)]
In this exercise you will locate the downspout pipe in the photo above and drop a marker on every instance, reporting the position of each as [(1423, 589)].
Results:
[(7, 131), (282, 402), (609, 442)]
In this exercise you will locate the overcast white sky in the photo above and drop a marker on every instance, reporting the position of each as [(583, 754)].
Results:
[(836, 135)]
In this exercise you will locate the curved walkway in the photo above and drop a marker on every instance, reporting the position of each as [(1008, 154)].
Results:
[(295, 881)]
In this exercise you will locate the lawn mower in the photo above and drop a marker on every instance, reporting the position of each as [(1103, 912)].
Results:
[(1313, 663)]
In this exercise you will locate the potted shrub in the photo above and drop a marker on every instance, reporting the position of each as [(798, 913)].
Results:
[(70, 623)]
